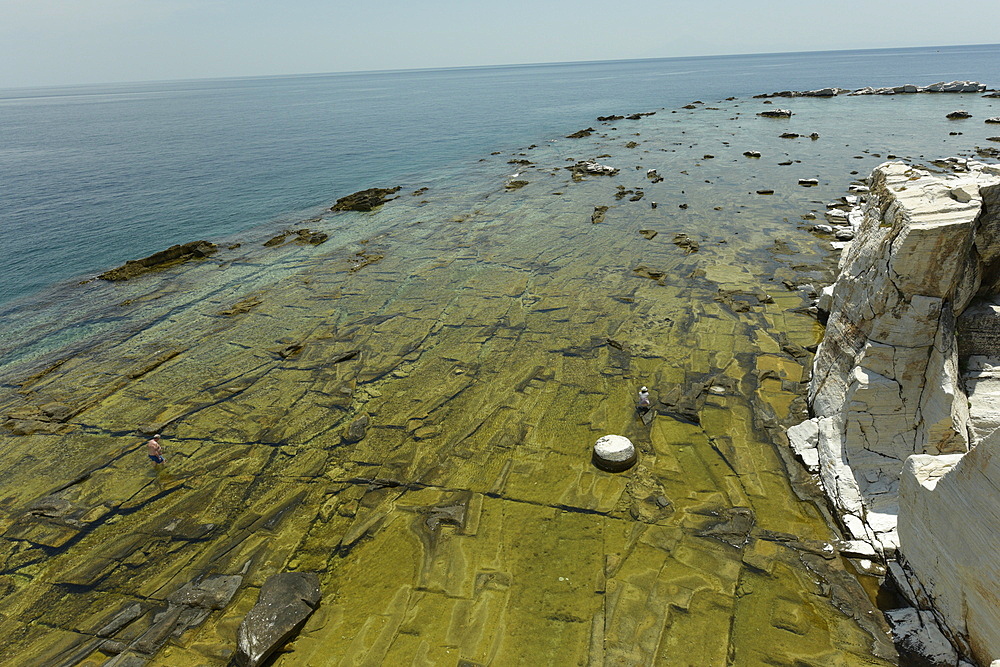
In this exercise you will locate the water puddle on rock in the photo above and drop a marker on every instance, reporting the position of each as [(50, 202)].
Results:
[(408, 410)]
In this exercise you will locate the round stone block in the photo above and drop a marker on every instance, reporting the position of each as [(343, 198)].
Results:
[(614, 453)]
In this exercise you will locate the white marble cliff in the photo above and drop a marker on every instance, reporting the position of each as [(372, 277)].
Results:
[(904, 392)]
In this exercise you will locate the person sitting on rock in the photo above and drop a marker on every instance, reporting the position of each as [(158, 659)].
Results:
[(643, 399)]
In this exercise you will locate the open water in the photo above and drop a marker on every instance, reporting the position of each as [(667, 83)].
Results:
[(93, 175)]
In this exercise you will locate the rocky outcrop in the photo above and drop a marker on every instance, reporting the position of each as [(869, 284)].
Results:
[(909, 88), (893, 414), (300, 237), (172, 256), (365, 200), (286, 601), (821, 92), (591, 167), (775, 113)]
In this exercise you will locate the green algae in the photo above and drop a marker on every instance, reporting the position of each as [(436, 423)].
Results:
[(496, 336)]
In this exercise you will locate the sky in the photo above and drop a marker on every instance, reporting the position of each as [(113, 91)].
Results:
[(57, 42)]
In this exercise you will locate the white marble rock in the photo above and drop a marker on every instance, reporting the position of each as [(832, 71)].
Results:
[(614, 453)]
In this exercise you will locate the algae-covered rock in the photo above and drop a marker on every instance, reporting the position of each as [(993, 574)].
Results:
[(364, 200), (286, 601), (175, 254)]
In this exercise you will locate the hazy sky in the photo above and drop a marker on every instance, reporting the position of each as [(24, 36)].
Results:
[(44, 42)]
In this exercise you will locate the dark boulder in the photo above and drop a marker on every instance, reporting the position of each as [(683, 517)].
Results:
[(776, 113), (365, 200), (580, 134), (173, 255), (358, 429), (286, 600)]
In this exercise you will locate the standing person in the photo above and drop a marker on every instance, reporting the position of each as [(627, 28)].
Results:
[(155, 450), (643, 399)]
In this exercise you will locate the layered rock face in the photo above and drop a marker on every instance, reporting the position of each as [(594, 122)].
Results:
[(888, 395)]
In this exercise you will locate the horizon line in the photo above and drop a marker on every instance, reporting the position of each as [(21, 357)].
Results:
[(441, 68)]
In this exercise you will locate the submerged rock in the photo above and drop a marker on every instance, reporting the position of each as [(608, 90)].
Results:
[(365, 200), (286, 601), (172, 256), (684, 241)]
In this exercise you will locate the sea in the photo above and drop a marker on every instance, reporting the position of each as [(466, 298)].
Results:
[(91, 176)]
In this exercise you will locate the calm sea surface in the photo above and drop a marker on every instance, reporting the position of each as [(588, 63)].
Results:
[(93, 175)]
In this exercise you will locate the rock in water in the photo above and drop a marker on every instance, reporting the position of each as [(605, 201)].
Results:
[(364, 200), (286, 600), (173, 255), (614, 453), (776, 113)]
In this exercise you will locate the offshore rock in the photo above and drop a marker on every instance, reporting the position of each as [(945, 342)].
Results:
[(958, 115), (909, 88), (365, 200), (820, 92), (940, 87), (172, 256), (592, 167), (775, 113), (894, 417), (286, 601)]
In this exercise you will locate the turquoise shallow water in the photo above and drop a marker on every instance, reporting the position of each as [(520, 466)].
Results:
[(95, 175)]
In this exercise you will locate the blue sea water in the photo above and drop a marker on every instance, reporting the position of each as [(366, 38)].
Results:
[(93, 175)]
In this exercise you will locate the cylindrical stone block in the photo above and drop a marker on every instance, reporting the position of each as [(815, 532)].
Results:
[(614, 453)]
